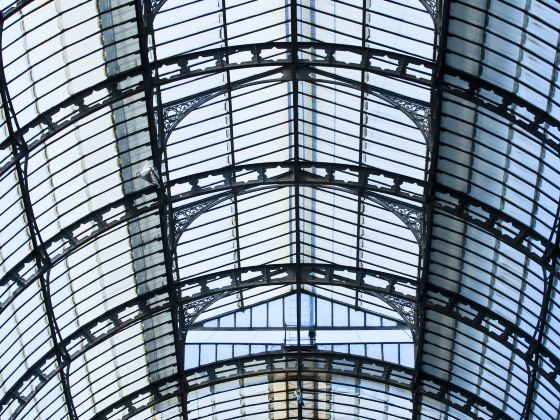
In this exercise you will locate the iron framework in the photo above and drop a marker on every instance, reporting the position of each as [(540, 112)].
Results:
[(172, 170)]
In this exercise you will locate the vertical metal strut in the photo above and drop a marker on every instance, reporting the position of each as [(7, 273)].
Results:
[(144, 24), (297, 175), (428, 205)]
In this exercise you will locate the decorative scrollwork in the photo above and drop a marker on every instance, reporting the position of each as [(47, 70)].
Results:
[(432, 8), (156, 5), (193, 309), (411, 216), (183, 217), (173, 114), (405, 308), (419, 114)]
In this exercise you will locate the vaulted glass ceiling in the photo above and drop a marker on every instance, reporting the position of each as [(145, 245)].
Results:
[(304, 209)]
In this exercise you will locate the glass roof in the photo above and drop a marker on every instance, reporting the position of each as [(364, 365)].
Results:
[(311, 209)]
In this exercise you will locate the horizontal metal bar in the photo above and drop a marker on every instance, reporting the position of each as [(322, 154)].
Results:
[(370, 281)]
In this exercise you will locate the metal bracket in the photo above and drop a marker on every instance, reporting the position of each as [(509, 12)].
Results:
[(419, 114), (184, 216), (194, 308), (413, 217), (431, 7), (173, 113), (405, 308)]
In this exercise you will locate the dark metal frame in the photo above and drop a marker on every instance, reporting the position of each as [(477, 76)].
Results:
[(388, 373), (290, 65), (544, 251), (39, 254)]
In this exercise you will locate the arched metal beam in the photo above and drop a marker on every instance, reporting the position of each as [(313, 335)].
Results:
[(320, 363), (120, 317), (370, 281), (417, 111), (38, 254), (143, 18), (225, 180), (519, 236), (179, 67), (157, 301), (399, 292), (136, 410), (522, 238), (281, 362)]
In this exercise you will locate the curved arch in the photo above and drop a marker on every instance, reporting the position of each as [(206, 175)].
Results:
[(177, 68), (225, 180), (275, 363), (417, 111), (409, 215), (458, 204), (74, 107), (354, 366), (397, 291), (157, 301), (489, 130), (430, 6)]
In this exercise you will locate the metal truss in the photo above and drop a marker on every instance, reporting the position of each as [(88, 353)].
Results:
[(226, 180), (418, 112), (520, 237), (83, 339), (292, 61), (371, 281), (388, 287), (251, 176), (409, 214), (466, 402), (441, 198), (505, 332), (198, 324), (430, 194), (274, 363), (432, 7), (174, 112), (405, 308), (317, 364), (501, 225), (159, 301), (317, 174), (192, 310), (177, 68), (272, 54)]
